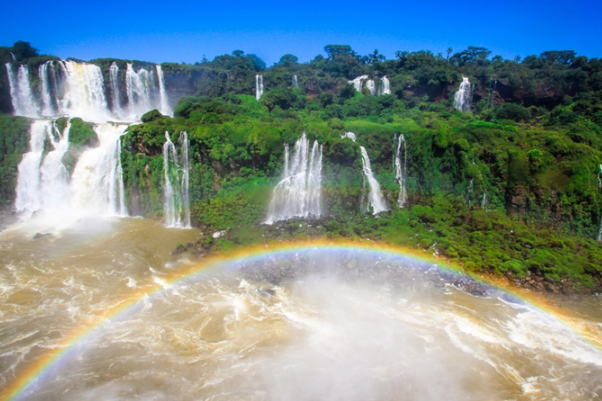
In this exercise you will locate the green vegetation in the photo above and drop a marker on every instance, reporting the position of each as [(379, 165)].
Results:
[(511, 188)]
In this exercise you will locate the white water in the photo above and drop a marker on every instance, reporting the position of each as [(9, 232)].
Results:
[(349, 135), (97, 181), (85, 95), (29, 178), (401, 168), (115, 94), (386, 87), (20, 92), (138, 89), (375, 197), (295, 82), (376, 88), (55, 191), (164, 106), (258, 86), (176, 207), (463, 97), (47, 106), (298, 194)]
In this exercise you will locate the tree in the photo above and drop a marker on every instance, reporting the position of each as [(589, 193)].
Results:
[(23, 50), (287, 60)]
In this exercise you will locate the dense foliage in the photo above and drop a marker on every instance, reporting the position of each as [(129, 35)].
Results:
[(511, 188)]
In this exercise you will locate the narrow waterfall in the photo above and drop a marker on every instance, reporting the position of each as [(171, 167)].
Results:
[(115, 93), (484, 200), (97, 181), (175, 184), (375, 197), (295, 82), (298, 194), (21, 95), (47, 101), (401, 168), (386, 87), (463, 97), (164, 106), (54, 175), (138, 88), (258, 86), (29, 197), (371, 86)]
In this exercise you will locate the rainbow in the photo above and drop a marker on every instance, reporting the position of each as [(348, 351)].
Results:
[(36, 373)]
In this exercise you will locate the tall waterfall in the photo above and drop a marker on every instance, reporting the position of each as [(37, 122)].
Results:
[(298, 194), (20, 91), (85, 95), (386, 87), (375, 197), (29, 194), (463, 97), (47, 103), (115, 94), (175, 183), (97, 181), (295, 82), (258, 86), (401, 168), (55, 189), (371, 86), (164, 106), (138, 87)]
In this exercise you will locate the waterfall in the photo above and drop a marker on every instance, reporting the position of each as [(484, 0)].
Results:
[(54, 175), (258, 86), (463, 97), (295, 82), (357, 82), (298, 194), (386, 87), (47, 102), (175, 184), (375, 196), (349, 135), (85, 94), (115, 93), (371, 86), (22, 98), (97, 180), (401, 166), (164, 107), (29, 197), (138, 87), (484, 200)]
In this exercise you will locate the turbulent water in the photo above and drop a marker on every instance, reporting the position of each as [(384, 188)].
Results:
[(338, 324), (176, 207), (376, 202)]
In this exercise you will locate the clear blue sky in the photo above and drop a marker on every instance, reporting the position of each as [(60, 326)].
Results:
[(184, 31)]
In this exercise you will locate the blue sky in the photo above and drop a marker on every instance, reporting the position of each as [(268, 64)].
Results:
[(184, 31)]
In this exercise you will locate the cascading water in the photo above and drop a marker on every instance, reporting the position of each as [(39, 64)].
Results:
[(298, 194), (401, 166), (386, 86), (28, 182), (258, 86), (115, 94), (371, 86), (295, 82), (22, 98), (357, 82), (85, 94), (175, 183), (47, 103), (349, 135), (55, 191), (138, 87), (164, 106), (97, 180), (375, 197), (463, 97)]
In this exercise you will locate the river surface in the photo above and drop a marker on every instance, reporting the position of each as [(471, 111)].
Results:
[(103, 311)]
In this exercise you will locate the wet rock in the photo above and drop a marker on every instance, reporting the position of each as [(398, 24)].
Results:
[(179, 249)]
